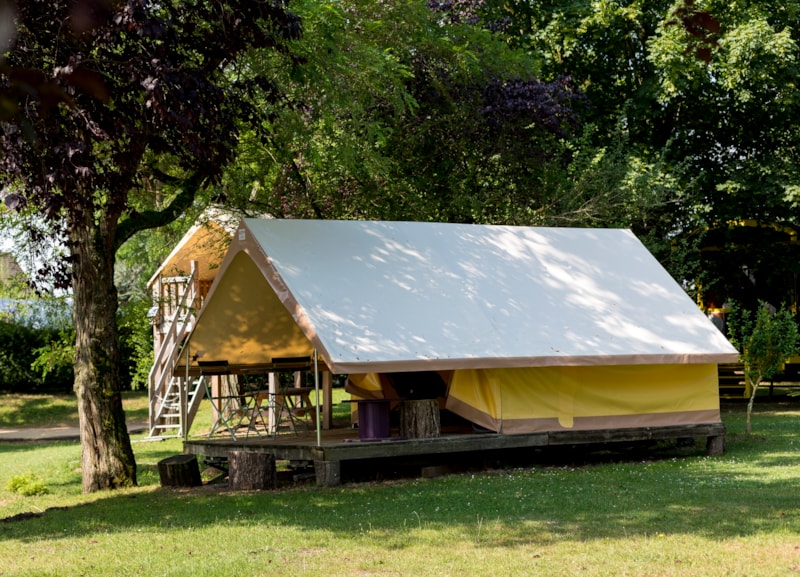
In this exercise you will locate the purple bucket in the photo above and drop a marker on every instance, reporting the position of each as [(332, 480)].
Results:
[(373, 419)]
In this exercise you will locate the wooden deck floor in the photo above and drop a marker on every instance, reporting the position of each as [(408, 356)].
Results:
[(343, 444)]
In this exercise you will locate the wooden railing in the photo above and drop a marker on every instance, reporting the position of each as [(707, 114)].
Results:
[(181, 308)]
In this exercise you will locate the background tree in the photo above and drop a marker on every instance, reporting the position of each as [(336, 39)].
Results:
[(404, 111), (703, 94), (765, 341), (736, 132), (150, 95)]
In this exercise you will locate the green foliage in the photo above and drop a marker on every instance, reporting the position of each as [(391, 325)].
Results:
[(402, 113), (136, 343), (705, 94), (764, 342), (28, 485), (21, 370), (57, 356)]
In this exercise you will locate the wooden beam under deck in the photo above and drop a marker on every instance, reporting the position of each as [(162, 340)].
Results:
[(340, 445)]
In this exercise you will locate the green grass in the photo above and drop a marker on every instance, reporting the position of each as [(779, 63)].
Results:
[(54, 410), (733, 515)]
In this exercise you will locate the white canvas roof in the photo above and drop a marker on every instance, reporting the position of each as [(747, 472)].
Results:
[(403, 296)]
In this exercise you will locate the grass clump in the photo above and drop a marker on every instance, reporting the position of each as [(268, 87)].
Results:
[(27, 485)]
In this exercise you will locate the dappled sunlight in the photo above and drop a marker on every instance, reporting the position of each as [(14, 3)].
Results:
[(589, 512), (387, 292)]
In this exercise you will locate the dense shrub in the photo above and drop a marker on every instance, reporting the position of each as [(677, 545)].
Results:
[(21, 344), (38, 357)]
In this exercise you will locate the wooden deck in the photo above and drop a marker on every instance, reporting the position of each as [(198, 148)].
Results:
[(343, 446)]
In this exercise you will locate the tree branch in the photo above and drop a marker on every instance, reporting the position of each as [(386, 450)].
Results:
[(139, 221)]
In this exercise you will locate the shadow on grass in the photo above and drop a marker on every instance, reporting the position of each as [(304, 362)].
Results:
[(554, 496), (45, 410), (23, 447), (594, 498)]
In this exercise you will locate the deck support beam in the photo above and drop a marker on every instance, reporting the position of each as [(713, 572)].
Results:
[(343, 445)]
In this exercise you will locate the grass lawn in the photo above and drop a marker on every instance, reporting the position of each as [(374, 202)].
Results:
[(735, 515), (54, 410)]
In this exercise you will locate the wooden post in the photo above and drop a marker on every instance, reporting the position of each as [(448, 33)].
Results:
[(327, 400), (419, 419), (715, 446), (251, 471), (272, 422), (179, 471)]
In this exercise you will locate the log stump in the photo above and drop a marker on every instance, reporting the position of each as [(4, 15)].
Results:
[(179, 471), (419, 419), (251, 471), (328, 473), (715, 446)]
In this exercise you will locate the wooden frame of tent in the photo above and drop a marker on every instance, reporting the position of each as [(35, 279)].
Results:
[(342, 447)]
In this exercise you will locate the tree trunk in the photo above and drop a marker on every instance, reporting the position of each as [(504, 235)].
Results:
[(419, 419), (251, 471), (107, 460), (754, 387), (754, 378)]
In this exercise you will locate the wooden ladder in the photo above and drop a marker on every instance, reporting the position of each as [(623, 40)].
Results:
[(174, 399), (168, 420)]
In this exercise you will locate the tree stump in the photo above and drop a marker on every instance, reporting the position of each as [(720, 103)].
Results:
[(251, 471), (715, 446), (419, 419), (328, 473), (179, 471)]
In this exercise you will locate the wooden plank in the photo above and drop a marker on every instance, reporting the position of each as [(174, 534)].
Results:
[(258, 369), (344, 445), (635, 434)]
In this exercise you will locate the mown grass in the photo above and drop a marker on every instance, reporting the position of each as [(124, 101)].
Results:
[(732, 515), (58, 410)]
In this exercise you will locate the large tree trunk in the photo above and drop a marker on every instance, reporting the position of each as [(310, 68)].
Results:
[(107, 460)]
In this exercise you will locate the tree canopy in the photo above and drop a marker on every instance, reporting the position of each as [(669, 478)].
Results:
[(119, 113), (677, 119)]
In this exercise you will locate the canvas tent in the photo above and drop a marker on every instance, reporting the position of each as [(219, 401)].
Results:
[(197, 255), (205, 243), (530, 329)]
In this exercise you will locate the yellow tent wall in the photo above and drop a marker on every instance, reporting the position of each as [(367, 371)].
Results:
[(235, 328), (525, 400)]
